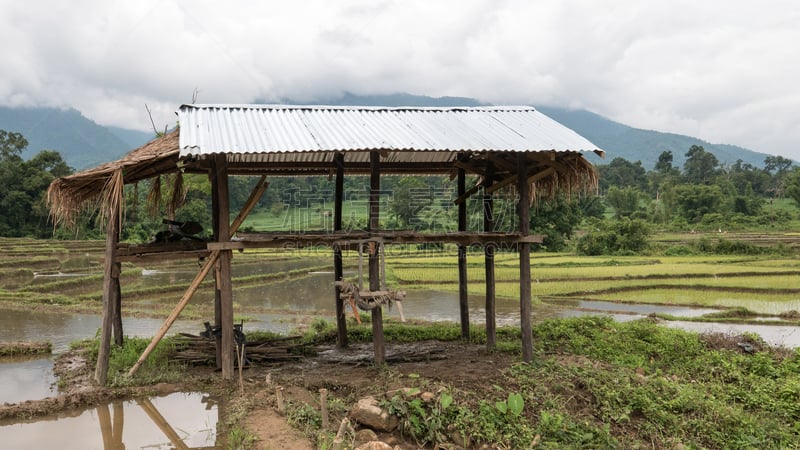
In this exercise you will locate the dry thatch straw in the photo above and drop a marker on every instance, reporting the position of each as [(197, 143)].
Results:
[(99, 188), (571, 175)]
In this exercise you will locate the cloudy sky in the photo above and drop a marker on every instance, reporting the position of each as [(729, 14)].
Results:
[(726, 71)]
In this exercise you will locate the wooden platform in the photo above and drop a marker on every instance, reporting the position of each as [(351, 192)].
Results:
[(346, 239)]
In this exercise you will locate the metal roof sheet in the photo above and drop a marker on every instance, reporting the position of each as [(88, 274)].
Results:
[(274, 132)]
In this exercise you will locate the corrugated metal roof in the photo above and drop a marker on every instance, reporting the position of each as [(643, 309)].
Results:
[(268, 132)]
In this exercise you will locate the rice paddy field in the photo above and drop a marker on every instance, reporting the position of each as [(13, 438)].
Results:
[(68, 274)]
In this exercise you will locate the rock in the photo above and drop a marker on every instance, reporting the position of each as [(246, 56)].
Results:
[(460, 439), (367, 412), (364, 436), (375, 445)]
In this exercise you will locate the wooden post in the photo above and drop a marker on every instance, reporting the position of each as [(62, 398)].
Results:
[(524, 207), (212, 175), (109, 289), (116, 304), (488, 252), (374, 269), (338, 269), (219, 167), (210, 262), (463, 299)]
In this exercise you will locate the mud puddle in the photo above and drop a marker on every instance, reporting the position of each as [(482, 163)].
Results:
[(181, 420)]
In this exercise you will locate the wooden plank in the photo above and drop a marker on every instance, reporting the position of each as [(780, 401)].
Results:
[(523, 187), (345, 240), (157, 257)]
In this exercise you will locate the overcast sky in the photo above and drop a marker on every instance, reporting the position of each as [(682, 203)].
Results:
[(726, 71)]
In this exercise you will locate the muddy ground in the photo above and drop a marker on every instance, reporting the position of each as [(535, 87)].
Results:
[(348, 375)]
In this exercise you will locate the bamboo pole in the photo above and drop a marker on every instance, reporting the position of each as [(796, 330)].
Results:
[(210, 261), (150, 409)]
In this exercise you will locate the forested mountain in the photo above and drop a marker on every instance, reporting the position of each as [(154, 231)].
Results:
[(81, 142), (635, 144)]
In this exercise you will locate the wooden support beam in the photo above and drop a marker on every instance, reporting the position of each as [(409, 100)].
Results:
[(525, 307), (488, 258), (215, 223), (471, 166), (116, 304), (374, 269), (503, 183), (220, 171), (463, 299), (198, 279), (465, 195), (109, 285), (338, 266)]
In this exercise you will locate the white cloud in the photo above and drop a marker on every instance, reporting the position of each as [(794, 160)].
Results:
[(724, 71)]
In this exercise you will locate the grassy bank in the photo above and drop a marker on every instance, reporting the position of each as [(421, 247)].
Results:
[(593, 383), (8, 349)]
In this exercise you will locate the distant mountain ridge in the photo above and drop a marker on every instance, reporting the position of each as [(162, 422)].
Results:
[(83, 143)]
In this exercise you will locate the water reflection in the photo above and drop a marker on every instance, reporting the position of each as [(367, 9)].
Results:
[(26, 379), (182, 421)]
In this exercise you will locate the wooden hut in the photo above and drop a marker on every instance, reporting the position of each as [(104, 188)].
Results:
[(504, 147)]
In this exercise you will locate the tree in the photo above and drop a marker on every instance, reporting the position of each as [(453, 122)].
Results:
[(777, 164), (781, 166), (793, 185), (664, 164), (700, 166), (11, 145), (696, 200), (622, 173), (409, 197), (556, 219), (23, 186), (611, 237), (625, 201)]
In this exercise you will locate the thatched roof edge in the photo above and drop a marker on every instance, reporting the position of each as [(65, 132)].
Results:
[(68, 196)]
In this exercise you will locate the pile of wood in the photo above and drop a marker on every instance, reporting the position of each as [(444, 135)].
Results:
[(194, 349)]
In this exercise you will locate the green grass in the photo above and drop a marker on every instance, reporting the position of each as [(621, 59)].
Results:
[(596, 383)]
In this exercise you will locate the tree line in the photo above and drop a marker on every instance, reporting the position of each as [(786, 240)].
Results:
[(703, 194)]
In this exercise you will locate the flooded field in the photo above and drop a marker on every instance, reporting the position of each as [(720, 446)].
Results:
[(278, 292), (182, 421)]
